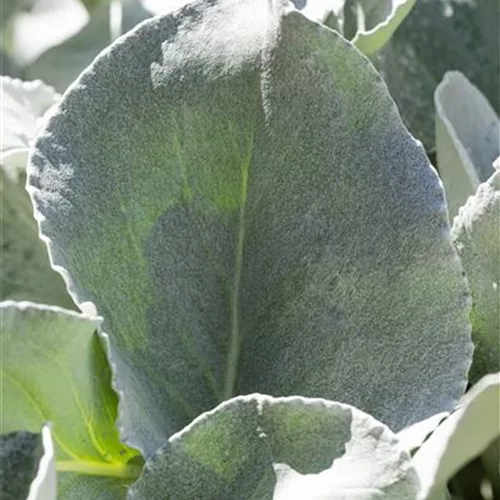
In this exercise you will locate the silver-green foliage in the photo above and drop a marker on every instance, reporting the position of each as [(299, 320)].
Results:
[(231, 187), (54, 370), (465, 434), (476, 234), (280, 449), (25, 272), (467, 138)]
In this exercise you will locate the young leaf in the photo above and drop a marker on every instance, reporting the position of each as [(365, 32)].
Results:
[(460, 438), (22, 108), (434, 38), (54, 369), (241, 233), (476, 234), (278, 449), (467, 138)]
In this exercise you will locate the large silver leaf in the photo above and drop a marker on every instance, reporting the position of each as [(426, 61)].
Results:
[(231, 187), (262, 448)]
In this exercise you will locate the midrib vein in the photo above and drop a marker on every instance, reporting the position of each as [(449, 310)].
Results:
[(235, 339)]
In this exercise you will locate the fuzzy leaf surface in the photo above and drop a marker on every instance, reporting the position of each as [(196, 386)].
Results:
[(54, 369), (235, 243), (257, 447)]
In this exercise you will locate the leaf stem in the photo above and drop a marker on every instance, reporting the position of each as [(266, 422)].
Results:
[(90, 468)]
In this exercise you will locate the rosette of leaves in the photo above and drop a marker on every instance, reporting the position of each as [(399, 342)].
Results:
[(231, 188)]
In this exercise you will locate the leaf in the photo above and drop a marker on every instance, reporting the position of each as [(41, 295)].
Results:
[(62, 64), (467, 138), (27, 467), (376, 21), (54, 369), (236, 243), (411, 438), (25, 270), (476, 234), (461, 437), (490, 459), (44, 486), (20, 453), (369, 24), (22, 108), (434, 38), (47, 24), (284, 448)]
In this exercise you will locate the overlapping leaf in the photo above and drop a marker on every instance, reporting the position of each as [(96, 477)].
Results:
[(22, 108), (54, 369), (467, 138), (460, 438), (476, 234), (257, 447), (231, 187)]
